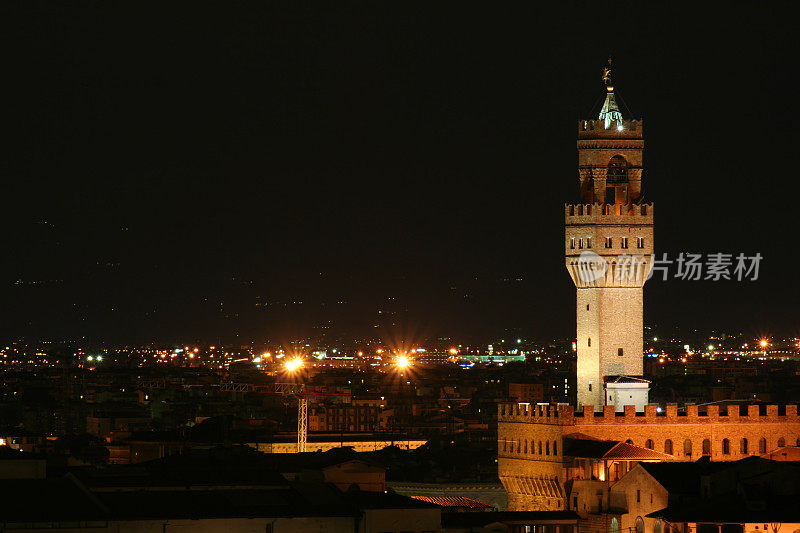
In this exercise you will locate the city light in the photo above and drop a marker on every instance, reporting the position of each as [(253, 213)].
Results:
[(402, 361), (294, 364), (763, 343), (453, 351)]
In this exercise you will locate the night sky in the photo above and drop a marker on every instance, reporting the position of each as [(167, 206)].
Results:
[(266, 171)]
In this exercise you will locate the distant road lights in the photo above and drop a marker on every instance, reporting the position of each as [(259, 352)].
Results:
[(294, 364), (453, 351), (710, 347), (402, 362)]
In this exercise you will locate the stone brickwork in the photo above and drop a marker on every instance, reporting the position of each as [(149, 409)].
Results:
[(686, 436)]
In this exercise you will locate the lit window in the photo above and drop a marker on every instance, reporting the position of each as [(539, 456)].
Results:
[(609, 242), (580, 244), (624, 242), (588, 242), (572, 243), (640, 242)]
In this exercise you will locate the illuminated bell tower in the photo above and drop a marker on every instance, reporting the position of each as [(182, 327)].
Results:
[(608, 244)]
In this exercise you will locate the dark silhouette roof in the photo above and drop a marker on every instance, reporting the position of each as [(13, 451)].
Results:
[(460, 519)]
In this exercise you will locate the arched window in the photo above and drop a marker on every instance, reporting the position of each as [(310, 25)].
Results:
[(614, 526), (617, 170), (743, 447), (726, 447), (687, 447), (540, 447), (762, 445), (555, 447), (547, 448), (657, 527), (629, 441), (781, 442), (639, 525), (668, 447), (706, 447), (649, 444)]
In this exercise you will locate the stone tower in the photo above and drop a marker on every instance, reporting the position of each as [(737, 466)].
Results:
[(608, 244)]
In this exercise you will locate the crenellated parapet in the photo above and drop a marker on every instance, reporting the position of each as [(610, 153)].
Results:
[(535, 414), (691, 414), (596, 129), (608, 214)]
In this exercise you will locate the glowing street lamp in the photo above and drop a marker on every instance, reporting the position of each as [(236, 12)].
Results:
[(764, 343), (402, 362), (294, 364)]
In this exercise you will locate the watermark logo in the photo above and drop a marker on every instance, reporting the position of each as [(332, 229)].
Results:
[(591, 267), (712, 267)]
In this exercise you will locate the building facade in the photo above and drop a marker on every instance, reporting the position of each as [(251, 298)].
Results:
[(542, 462), (608, 243)]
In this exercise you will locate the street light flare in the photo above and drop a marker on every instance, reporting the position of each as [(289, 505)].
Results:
[(402, 361), (294, 364)]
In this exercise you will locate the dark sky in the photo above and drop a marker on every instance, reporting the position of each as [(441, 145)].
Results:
[(188, 171)]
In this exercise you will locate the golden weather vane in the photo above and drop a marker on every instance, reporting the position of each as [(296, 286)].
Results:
[(607, 74)]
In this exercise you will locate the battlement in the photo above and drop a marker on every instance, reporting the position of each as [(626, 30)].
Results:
[(538, 414), (691, 414), (596, 129), (576, 214)]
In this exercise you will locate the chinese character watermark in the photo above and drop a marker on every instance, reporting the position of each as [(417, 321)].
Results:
[(713, 267)]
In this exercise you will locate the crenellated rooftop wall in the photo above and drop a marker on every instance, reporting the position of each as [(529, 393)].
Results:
[(692, 414), (575, 214), (596, 129)]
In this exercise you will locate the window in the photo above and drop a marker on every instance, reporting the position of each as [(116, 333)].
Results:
[(657, 526), (743, 447), (572, 243), (547, 448), (687, 447), (638, 496), (526, 446), (640, 242), (668, 447), (580, 244), (726, 447), (649, 444), (589, 342), (617, 171), (540, 447), (555, 447), (639, 525), (505, 445), (609, 242), (614, 526), (624, 242), (706, 447), (619, 351), (588, 242), (781, 442), (762, 445), (590, 387)]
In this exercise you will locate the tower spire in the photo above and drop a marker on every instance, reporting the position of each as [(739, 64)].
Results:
[(610, 111)]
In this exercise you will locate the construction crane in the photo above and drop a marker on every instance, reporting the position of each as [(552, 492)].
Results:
[(298, 390)]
